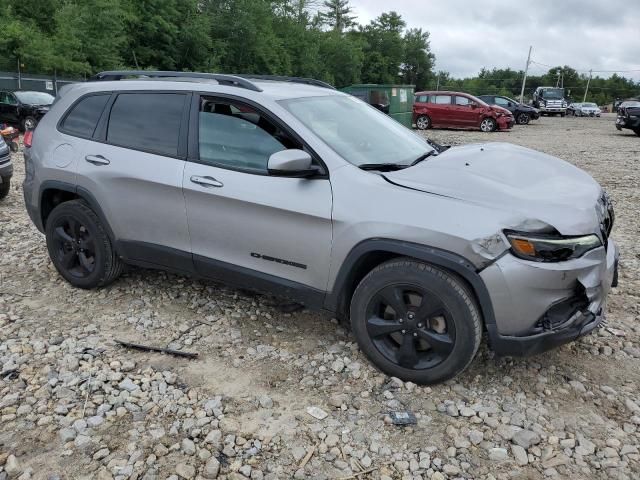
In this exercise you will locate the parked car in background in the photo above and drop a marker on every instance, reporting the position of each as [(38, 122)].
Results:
[(629, 116), (521, 112), (458, 110), (6, 169), (24, 108), (584, 110)]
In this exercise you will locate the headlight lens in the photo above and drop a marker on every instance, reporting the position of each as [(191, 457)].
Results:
[(550, 248)]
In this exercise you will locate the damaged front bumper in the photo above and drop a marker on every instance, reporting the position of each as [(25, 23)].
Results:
[(539, 306)]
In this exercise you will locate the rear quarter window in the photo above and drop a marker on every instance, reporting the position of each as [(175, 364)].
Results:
[(147, 121), (82, 118)]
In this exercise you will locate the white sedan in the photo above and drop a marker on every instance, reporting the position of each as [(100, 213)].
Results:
[(585, 110)]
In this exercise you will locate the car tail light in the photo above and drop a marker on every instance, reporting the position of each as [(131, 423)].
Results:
[(28, 138)]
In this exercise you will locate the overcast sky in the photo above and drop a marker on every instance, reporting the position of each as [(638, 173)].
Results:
[(467, 35)]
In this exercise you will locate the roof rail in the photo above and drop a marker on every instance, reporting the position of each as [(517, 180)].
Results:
[(281, 78), (229, 80)]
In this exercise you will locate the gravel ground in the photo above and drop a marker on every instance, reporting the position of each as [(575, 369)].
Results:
[(73, 404)]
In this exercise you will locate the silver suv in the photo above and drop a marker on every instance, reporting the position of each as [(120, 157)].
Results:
[(287, 186)]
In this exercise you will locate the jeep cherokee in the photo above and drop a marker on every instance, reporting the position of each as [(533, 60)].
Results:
[(290, 187)]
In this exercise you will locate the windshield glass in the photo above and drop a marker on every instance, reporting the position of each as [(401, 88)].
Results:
[(630, 104), (553, 93), (590, 105), (35, 98), (356, 131)]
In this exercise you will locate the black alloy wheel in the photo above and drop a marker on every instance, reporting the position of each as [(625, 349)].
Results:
[(415, 321), (410, 326), (74, 246), (80, 247)]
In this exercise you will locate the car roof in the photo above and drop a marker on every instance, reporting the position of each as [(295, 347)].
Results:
[(441, 92), (272, 89)]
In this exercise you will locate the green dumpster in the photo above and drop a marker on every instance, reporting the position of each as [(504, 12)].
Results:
[(395, 100)]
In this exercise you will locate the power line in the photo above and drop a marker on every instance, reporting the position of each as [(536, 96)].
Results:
[(588, 70)]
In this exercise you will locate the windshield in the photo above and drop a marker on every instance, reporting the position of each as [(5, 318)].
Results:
[(356, 131), (553, 93), (630, 104), (590, 105), (35, 98)]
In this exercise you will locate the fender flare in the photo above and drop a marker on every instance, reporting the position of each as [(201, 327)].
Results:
[(335, 301), (80, 192)]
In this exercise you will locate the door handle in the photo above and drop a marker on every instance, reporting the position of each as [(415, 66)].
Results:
[(97, 160), (206, 181)]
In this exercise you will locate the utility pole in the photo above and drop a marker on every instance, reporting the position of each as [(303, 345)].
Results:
[(438, 82), (19, 75), (584, 99), (524, 80)]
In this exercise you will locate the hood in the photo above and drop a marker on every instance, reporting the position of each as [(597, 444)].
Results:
[(534, 187), (501, 110)]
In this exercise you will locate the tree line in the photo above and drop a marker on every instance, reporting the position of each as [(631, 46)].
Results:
[(308, 38)]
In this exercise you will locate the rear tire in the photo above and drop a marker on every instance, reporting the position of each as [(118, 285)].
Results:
[(423, 122), (523, 118), (5, 187), (79, 246), (415, 321), (488, 124)]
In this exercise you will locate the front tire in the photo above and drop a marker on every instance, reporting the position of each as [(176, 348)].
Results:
[(415, 321), (523, 118), (5, 187), (488, 125), (423, 122), (79, 246)]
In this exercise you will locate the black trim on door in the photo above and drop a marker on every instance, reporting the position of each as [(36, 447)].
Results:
[(150, 255), (254, 280)]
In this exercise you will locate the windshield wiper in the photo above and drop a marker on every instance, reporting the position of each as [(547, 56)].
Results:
[(383, 167), (422, 157), (389, 167)]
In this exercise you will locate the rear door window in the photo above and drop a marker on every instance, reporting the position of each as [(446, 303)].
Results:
[(147, 121), (83, 117), (441, 99)]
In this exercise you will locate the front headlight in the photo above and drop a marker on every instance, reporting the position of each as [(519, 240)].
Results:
[(550, 248)]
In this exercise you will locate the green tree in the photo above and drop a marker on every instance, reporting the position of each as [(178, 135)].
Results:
[(89, 36), (417, 60), (338, 15), (342, 59), (384, 49)]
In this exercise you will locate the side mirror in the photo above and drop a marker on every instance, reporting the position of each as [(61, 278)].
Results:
[(510, 104), (291, 163)]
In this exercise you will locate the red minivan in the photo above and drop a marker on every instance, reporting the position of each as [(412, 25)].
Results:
[(458, 110)]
